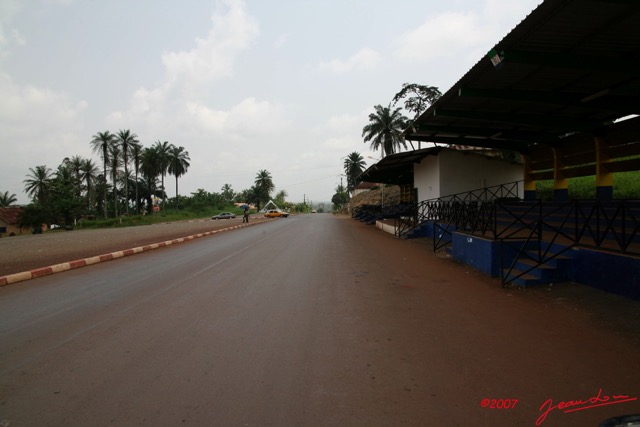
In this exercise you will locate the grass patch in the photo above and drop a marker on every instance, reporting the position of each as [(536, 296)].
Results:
[(156, 218), (626, 185)]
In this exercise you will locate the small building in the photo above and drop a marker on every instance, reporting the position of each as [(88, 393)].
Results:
[(439, 171), (450, 171), (9, 220)]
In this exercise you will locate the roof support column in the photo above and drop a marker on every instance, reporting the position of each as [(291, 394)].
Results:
[(560, 182), (604, 178), (529, 182)]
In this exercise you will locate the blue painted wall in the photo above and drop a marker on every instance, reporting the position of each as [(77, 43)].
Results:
[(481, 254), (609, 272), (606, 271)]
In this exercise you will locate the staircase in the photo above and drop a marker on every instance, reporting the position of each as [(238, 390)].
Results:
[(533, 266), (541, 235)]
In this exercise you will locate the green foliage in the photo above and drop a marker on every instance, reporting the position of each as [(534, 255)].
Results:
[(626, 185), (167, 216), (7, 199), (340, 198), (262, 188), (227, 193), (202, 201), (301, 208), (353, 166), (385, 130), (32, 216), (417, 98)]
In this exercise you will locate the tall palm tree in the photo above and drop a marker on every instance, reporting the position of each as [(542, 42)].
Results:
[(150, 169), (162, 151), (126, 140), (263, 186), (115, 161), (227, 193), (89, 173), (353, 167), (385, 130), (136, 158), (7, 200), (178, 164), (75, 166), (280, 197), (100, 144), (38, 184)]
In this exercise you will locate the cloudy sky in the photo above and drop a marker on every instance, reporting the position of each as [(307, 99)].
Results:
[(281, 85)]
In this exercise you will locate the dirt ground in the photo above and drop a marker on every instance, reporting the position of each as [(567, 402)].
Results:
[(27, 252), (351, 327), (22, 253)]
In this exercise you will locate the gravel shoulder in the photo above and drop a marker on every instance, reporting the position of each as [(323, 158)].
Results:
[(27, 252)]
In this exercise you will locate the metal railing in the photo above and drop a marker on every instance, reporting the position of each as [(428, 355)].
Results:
[(449, 206), (539, 231), (612, 226)]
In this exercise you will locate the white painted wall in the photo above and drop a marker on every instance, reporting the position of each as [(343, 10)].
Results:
[(426, 178), (455, 171)]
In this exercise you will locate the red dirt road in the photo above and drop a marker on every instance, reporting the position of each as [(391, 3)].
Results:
[(312, 320)]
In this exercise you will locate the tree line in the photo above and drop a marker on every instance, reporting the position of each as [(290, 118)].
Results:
[(384, 132), (128, 180)]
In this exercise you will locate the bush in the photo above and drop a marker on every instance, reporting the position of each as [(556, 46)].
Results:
[(626, 185)]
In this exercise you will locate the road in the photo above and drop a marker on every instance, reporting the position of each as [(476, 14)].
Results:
[(313, 320)]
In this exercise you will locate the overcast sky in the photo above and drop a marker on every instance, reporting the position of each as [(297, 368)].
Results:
[(281, 85)]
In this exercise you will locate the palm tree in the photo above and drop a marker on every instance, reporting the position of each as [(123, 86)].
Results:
[(385, 130), (150, 169), (178, 165), (280, 197), (127, 140), (7, 200), (353, 167), (101, 143), (115, 161), (89, 173), (263, 186), (162, 151), (136, 158), (75, 166), (340, 198), (227, 193), (38, 183)]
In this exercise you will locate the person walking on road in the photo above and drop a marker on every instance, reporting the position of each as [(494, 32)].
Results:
[(245, 216)]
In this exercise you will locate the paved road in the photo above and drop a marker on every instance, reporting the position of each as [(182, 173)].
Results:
[(311, 320)]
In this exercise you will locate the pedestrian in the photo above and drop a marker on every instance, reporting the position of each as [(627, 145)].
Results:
[(245, 216)]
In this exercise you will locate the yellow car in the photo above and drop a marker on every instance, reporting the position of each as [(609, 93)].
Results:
[(275, 213)]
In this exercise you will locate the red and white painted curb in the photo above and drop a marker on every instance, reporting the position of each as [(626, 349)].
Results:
[(71, 265)]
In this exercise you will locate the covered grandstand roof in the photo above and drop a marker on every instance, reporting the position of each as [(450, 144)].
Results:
[(569, 68), (393, 169)]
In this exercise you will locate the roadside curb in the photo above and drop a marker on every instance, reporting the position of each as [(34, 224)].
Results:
[(72, 265)]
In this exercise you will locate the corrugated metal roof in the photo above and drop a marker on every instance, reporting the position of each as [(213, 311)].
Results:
[(393, 168), (570, 66)]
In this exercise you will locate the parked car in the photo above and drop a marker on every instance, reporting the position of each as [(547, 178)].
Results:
[(224, 215), (275, 213)]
